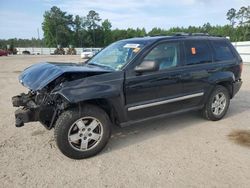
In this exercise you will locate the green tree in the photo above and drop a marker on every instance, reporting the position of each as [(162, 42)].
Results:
[(57, 27), (77, 39), (141, 32), (62, 28), (241, 15), (206, 28), (156, 31), (231, 16), (107, 38), (248, 15), (91, 23)]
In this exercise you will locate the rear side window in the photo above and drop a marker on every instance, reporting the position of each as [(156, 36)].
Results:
[(222, 51), (197, 52)]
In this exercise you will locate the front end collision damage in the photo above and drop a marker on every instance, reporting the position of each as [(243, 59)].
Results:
[(45, 102), (38, 107)]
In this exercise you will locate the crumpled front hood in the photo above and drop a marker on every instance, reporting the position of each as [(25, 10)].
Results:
[(39, 75)]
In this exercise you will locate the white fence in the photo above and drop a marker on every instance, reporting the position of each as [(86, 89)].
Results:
[(244, 50), (242, 47), (47, 51)]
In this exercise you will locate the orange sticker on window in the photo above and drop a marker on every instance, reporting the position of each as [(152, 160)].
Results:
[(193, 50)]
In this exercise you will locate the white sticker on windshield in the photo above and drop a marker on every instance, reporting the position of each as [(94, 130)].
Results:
[(131, 46)]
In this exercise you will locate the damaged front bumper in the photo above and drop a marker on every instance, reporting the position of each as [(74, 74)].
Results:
[(24, 115), (33, 107), (27, 111)]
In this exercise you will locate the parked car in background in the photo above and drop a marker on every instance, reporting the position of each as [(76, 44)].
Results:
[(89, 52), (26, 52), (3, 53)]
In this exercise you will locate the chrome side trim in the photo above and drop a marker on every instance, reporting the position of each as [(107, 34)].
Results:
[(165, 101)]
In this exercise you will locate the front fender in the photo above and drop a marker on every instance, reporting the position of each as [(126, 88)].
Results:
[(101, 86), (106, 86)]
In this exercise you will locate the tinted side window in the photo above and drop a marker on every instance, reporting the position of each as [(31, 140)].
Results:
[(197, 52), (165, 54), (222, 51)]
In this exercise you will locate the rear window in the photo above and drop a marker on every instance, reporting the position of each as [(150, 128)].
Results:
[(197, 52), (222, 51)]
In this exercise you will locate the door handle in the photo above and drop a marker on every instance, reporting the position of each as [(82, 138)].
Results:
[(185, 76), (177, 76), (212, 70)]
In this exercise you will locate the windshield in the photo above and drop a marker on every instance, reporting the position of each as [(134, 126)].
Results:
[(116, 55)]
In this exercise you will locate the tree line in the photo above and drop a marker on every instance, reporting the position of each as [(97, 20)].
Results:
[(63, 29)]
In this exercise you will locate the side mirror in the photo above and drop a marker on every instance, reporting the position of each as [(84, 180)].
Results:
[(147, 66)]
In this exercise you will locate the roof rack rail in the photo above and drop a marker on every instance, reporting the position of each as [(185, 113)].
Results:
[(200, 34), (156, 35), (181, 34), (190, 34)]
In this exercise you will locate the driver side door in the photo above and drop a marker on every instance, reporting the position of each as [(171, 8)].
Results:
[(153, 93)]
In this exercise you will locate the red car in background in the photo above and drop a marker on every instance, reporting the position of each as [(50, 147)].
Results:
[(3, 52)]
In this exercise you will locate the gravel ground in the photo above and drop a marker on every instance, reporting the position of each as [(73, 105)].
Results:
[(179, 151)]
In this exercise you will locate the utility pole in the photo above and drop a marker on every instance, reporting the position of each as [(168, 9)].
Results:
[(38, 35)]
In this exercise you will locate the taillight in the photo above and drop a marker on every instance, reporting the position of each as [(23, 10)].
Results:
[(241, 67)]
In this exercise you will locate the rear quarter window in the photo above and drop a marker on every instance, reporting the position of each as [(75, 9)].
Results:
[(197, 52), (222, 51)]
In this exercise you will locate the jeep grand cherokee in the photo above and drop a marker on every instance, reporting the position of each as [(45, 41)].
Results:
[(129, 81)]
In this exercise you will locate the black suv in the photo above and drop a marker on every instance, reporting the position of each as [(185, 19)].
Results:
[(129, 81)]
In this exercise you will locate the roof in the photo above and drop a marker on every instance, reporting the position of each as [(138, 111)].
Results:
[(145, 39), (152, 39)]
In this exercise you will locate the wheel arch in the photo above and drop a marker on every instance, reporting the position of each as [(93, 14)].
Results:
[(228, 85), (105, 105), (224, 79), (113, 106)]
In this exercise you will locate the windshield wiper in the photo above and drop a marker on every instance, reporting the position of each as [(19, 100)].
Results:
[(101, 65)]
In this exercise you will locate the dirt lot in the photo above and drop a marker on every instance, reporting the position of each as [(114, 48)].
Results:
[(179, 151)]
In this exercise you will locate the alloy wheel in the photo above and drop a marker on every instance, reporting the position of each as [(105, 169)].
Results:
[(219, 104), (85, 133)]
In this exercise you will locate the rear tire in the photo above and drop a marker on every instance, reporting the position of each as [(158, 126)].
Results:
[(82, 134), (217, 104)]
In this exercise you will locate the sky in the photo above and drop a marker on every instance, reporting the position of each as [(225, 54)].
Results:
[(23, 18)]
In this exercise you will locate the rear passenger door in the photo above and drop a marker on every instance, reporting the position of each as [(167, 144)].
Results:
[(198, 61)]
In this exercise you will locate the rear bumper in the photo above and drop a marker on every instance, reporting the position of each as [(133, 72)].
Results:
[(236, 86)]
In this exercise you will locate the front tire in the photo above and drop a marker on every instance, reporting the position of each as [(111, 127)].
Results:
[(217, 104), (82, 134)]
